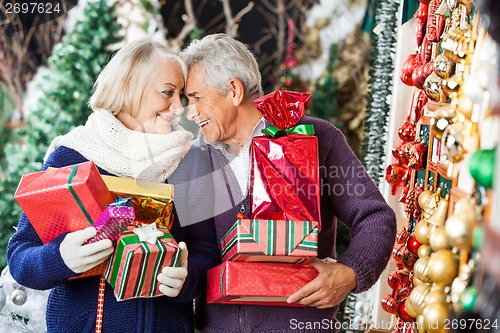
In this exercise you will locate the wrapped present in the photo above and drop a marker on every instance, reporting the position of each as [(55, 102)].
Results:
[(110, 225), (152, 202), (140, 255), (256, 283), (271, 241), (63, 200), (284, 181)]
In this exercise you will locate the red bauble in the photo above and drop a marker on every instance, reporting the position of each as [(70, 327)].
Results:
[(407, 132), (408, 259), (402, 313), (397, 252), (398, 279), (408, 68), (402, 236), (417, 156), (412, 244), (389, 304), (404, 194), (396, 175)]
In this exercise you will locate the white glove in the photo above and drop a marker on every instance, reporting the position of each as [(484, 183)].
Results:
[(80, 258), (172, 278)]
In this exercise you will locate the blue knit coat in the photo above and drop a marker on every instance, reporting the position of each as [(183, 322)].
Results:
[(72, 304)]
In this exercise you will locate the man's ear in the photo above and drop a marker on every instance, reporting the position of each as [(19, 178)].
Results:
[(237, 91)]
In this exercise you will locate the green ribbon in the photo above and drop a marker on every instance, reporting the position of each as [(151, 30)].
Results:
[(75, 196), (299, 129)]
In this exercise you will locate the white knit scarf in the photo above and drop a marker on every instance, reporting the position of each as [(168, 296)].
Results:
[(124, 152)]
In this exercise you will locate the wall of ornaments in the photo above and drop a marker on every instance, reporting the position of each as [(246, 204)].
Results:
[(440, 178)]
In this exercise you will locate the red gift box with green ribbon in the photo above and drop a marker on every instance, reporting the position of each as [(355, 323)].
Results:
[(64, 199), (256, 283), (294, 242), (140, 255), (284, 178)]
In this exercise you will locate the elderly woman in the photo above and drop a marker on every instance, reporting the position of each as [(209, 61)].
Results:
[(131, 133)]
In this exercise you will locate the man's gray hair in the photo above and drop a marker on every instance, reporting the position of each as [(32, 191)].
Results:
[(222, 59)]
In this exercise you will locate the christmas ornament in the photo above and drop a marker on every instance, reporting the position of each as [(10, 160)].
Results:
[(412, 244), (433, 88), (421, 270), (436, 295), (409, 309), (435, 23), (438, 217), (438, 239), (453, 143), (396, 175), (421, 232), (452, 87), (443, 267), (398, 280), (420, 324), (417, 297), (424, 251), (460, 284), (417, 156), (389, 304), (443, 117), (409, 66), (397, 253), (407, 131), (436, 316), (459, 229), (402, 236), (403, 313), (421, 16), (408, 259), (442, 66), (421, 74), (478, 238), (19, 296), (468, 298), (482, 167)]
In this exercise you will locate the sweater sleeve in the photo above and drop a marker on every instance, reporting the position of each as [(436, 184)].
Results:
[(32, 263), (358, 203)]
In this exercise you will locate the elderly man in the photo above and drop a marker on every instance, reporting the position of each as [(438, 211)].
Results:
[(223, 80)]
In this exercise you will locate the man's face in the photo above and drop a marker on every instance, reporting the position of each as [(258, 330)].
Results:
[(213, 112)]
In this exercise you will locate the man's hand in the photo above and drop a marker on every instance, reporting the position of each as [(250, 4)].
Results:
[(172, 278), (329, 288)]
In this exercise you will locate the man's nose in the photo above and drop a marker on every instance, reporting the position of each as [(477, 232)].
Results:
[(191, 112)]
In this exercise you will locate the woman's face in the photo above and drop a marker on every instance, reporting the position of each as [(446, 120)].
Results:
[(161, 101)]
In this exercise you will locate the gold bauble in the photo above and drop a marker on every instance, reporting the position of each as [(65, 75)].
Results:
[(428, 200), (443, 267), (436, 294), (453, 142), (452, 87), (421, 270), (459, 229), (417, 281), (438, 239), (443, 117), (409, 309), (433, 88), (439, 214), (435, 316), (421, 232), (465, 106), (417, 297), (442, 66), (424, 251)]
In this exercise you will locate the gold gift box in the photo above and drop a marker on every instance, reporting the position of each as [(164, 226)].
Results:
[(153, 202)]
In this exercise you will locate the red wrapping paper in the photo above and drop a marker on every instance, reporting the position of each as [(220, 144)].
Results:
[(134, 265), (271, 241), (63, 200), (256, 283), (283, 108), (284, 179)]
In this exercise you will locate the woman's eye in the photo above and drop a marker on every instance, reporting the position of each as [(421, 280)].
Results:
[(168, 92)]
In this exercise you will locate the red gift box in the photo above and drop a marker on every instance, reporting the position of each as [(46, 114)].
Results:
[(256, 283), (284, 182), (63, 200), (285, 178), (135, 264), (292, 242)]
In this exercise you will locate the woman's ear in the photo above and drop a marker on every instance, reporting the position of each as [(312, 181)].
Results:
[(237, 91)]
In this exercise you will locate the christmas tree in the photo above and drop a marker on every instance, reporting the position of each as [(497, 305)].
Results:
[(66, 87)]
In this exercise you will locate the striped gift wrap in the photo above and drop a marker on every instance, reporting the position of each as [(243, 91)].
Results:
[(134, 265), (271, 241)]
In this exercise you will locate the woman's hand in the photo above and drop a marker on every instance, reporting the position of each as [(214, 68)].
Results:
[(80, 258), (172, 278)]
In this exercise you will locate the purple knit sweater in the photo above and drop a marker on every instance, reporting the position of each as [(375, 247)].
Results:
[(347, 193)]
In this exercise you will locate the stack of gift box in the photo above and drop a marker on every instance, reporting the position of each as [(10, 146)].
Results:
[(135, 215), (265, 256)]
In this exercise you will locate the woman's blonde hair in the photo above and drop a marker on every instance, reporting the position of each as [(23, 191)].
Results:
[(120, 85)]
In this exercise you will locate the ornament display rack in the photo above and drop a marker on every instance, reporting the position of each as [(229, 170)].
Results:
[(444, 165)]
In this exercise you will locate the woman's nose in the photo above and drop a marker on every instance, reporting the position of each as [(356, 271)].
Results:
[(177, 107)]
